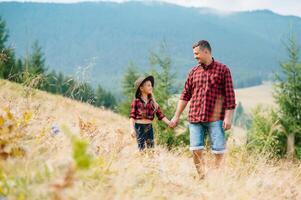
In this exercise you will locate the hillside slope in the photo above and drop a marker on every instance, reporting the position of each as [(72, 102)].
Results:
[(118, 172)]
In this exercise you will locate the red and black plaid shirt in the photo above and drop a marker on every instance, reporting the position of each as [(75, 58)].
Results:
[(142, 110), (210, 92)]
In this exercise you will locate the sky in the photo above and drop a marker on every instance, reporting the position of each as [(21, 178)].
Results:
[(283, 7)]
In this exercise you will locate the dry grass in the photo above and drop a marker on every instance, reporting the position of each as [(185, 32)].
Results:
[(118, 171)]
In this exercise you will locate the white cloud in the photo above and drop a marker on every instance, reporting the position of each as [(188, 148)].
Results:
[(284, 7)]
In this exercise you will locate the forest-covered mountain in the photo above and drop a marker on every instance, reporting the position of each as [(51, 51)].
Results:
[(106, 37)]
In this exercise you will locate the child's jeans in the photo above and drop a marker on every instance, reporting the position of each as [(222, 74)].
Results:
[(144, 134)]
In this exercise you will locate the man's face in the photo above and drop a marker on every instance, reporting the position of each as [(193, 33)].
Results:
[(200, 55)]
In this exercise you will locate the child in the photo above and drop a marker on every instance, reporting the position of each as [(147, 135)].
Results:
[(143, 109)]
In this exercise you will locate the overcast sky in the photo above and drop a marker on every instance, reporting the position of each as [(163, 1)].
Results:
[(284, 7)]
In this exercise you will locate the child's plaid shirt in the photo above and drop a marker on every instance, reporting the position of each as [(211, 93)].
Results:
[(142, 110)]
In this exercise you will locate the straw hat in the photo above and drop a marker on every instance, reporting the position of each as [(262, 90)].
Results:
[(140, 82)]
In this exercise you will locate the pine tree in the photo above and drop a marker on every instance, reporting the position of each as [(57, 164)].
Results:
[(104, 98), (129, 78), (3, 34), (288, 95), (109, 101), (164, 85), (9, 68), (164, 82), (241, 119), (36, 60), (34, 70)]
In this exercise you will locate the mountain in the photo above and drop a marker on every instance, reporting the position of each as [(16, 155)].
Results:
[(102, 38)]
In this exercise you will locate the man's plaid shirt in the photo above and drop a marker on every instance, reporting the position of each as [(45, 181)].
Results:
[(210, 92)]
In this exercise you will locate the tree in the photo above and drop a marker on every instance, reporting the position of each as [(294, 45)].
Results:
[(104, 98), (165, 81), (265, 134), (84, 92), (36, 64), (288, 95), (164, 85), (241, 119), (128, 91), (9, 68), (51, 82), (34, 70), (3, 34), (33, 74)]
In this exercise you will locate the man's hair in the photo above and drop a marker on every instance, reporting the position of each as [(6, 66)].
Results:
[(202, 44)]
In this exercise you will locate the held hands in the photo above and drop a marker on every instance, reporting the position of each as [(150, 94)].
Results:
[(174, 122)]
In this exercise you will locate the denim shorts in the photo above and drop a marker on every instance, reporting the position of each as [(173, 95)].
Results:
[(216, 135), (144, 135)]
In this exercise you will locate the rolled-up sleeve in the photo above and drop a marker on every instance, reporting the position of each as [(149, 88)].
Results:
[(159, 113), (133, 110), (229, 91), (187, 91)]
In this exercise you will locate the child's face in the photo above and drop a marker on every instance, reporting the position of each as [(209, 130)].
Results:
[(146, 88)]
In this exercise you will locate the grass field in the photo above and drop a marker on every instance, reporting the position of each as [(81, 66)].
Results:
[(116, 171)]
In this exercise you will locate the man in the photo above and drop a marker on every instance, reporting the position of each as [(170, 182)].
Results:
[(209, 88)]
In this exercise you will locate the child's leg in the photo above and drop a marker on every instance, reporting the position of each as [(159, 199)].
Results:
[(140, 135), (149, 136)]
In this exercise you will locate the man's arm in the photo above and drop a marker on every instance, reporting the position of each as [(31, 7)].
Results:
[(185, 97), (180, 108), (229, 100)]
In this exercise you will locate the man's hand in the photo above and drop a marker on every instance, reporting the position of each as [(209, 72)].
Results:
[(227, 124), (228, 119), (180, 107), (174, 122)]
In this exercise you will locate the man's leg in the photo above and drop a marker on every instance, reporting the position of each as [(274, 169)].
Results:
[(199, 162), (218, 141), (218, 160), (196, 137)]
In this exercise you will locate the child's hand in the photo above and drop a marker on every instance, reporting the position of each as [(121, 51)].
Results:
[(166, 121), (133, 133)]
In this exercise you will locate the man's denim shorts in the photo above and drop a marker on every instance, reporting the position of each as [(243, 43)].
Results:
[(216, 136)]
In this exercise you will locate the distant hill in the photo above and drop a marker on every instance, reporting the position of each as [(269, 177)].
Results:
[(107, 36), (253, 96)]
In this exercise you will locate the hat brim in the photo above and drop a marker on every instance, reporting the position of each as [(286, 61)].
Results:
[(148, 78)]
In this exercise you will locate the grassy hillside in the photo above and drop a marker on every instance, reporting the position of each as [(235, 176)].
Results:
[(117, 172)]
